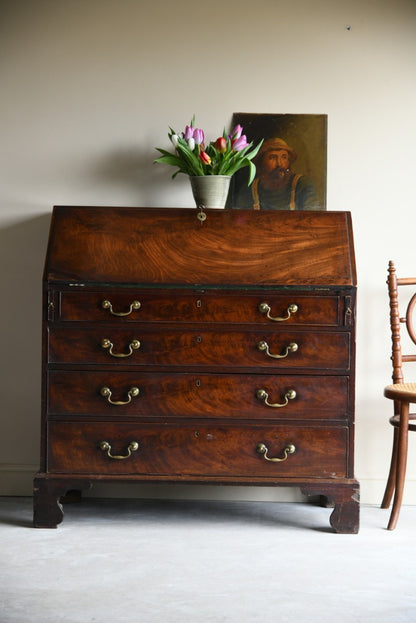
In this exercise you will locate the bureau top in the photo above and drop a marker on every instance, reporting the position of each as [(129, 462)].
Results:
[(170, 246)]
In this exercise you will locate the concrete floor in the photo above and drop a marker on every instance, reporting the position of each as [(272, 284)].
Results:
[(204, 562)]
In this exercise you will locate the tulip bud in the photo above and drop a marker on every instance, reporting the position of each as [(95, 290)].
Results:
[(189, 132), (205, 159), (191, 143), (221, 145), (236, 133), (199, 136), (174, 139), (239, 143)]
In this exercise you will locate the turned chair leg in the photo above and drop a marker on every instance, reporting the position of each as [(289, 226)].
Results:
[(400, 464), (388, 493)]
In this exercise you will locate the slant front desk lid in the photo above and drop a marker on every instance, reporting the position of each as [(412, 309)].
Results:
[(170, 246)]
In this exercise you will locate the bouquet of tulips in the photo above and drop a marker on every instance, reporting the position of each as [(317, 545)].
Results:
[(225, 156)]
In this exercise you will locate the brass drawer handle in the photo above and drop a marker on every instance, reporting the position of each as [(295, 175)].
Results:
[(107, 305), (264, 396), (132, 447), (132, 393), (263, 449), (134, 345), (264, 347), (266, 309)]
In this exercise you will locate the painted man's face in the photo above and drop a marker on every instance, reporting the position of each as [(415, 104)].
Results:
[(275, 169), (276, 159)]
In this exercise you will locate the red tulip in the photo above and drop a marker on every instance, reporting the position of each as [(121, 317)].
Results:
[(221, 145), (205, 159)]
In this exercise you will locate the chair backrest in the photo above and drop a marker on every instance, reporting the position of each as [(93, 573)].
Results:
[(396, 320)]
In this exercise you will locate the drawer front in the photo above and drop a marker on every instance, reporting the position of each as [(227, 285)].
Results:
[(141, 346), (177, 307), (195, 451), (197, 396)]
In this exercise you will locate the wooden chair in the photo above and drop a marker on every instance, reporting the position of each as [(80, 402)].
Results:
[(403, 394)]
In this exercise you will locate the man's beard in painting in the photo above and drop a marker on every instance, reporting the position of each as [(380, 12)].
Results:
[(277, 179)]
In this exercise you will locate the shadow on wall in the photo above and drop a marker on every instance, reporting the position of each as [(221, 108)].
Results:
[(22, 256), (132, 172)]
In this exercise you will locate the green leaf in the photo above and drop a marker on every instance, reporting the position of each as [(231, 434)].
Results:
[(255, 151), (191, 160), (252, 172), (169, 159)]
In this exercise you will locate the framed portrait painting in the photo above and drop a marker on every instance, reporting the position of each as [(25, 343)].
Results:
[(290, 166)]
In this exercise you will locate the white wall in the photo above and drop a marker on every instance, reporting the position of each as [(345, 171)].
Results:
[(89, 88)]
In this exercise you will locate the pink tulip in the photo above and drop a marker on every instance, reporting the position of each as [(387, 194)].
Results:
[(240, 143), (199, 136), (189, 132), (221, 145), (205, 159), (236, 133)]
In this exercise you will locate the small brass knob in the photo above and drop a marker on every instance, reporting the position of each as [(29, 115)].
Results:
[(261, 448), (264, 308), (261, 394)]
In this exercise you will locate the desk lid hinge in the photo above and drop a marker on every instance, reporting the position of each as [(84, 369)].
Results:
[(51, 306), (348, 311)]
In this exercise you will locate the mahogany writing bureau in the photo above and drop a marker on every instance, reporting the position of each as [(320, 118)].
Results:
[(177, 349)]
